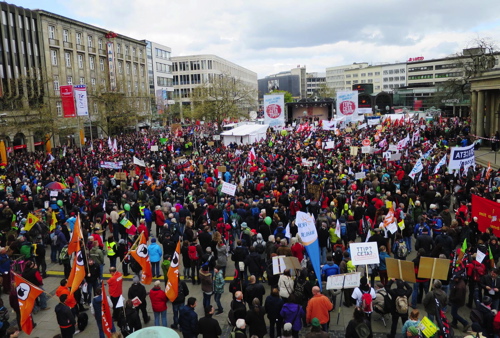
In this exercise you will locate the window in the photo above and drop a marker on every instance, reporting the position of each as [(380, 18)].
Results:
[(386, 72), (52, 32), (80, 61), (363, 74), (92, 63), (396, 71), (118, 48), (142, 71), (126, 50), (391, 71), (370, 74), (69, 80), (209, 62), (363, 81), (354, 75), (370, 80), (78, 38), (92, 81), (99, 43), (120, 67), (59, 108), (348, 76), (128, 68), (82, 80), (66, 35), (140, 53), (402, 78), (101, 64), (162, 68), (377, 73), (67, 58), (56, 82), (355, 82), (134, 70), (53, 57), (402, 70), (90, 41), (133, 51), (348, 82), (419, 69)]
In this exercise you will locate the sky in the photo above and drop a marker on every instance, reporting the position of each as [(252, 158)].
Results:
[(271, 36)]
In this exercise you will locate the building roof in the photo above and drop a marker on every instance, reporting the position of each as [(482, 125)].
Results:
[(247, 129)]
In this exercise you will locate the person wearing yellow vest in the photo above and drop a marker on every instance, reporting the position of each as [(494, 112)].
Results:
[(111, 251)]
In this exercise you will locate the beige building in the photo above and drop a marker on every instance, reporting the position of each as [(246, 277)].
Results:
[(336, 77), (485, 104), (369, 74)]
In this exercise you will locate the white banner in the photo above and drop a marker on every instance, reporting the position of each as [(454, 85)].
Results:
[(140, 163), (154, 148), (373, 121), (274, 110), (111, 65), (461, 156), (329, 144), (307, 228), (416, 169), (360, 175), (328, 125), (364, 253), (396, 157), (82, 107), (347, 104), (362, 126), (344, 281), (228, 188), (366, 150)]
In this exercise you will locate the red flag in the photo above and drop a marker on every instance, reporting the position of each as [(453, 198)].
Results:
[(141, 255), (76, 236), (137, 170), (27, 294), (38, 165), (107, 323), (172, 289), (251, 156), (77, 272)]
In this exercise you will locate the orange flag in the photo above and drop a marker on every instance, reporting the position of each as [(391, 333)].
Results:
[(74, 243), (488, 171), (172, 289), (107, 323), (27, 294), (389, 218), (141, 255), (77, 272), (38, 165)]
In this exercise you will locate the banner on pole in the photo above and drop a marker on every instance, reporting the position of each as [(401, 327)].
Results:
[(68, 101), (461, 156), (82, 107), (228, 188), (274, 110), (347, 104)]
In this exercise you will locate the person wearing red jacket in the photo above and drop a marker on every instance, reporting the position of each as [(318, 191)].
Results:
[(297, 249), (475, 271), (115, 288), (159, 304), (159, 218)]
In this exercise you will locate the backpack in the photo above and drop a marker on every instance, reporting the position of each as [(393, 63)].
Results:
[(4, 315), (402, 304), (366, 302), (402, 250), (63, 255), (53, 238), (260, 247), (476, 316), (387, 306), (193, 253), (343, 230), (83, 320), (478, 272)]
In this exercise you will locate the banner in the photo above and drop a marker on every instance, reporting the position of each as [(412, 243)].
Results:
[(461, 156), (309, 236), (487, 212), (68, 101), (416, 169), (274, 110), (31, 221), (364, 253), (328, 125), (347, 104), (139, 162), (343, 281), (141, 255), (228, 188), (27, 294), (82, 106), (111, 65), (111, 165), (106, 319), (76, 236), (172, 288)]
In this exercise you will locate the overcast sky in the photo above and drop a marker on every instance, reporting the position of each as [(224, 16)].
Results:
[(276, 35)]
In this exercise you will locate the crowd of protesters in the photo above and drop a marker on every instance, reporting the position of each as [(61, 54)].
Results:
[(175, 195)]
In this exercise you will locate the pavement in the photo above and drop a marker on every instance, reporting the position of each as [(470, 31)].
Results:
[(485, 155)]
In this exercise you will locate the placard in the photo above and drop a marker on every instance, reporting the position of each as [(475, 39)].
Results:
[(154, 148), (396, 157), (281, 263), (181, 139), (216, 137), (121, 176), (386, 155), (393, 147), (210, 143), (54, 193), (434, 268), (479, 254), (399, 269), (364, 253), (221, 168), (427, 327), (201, 168), (329, 144), (362, 126), (360, 175), (306, 163), (346, 281), (348, 129), (354, 151), (366, 150), (228, 188)]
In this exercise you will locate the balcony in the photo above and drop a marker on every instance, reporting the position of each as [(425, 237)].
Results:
[(127, 57), (136, 59), (102, 52), (67, 45), (53, 42), (80, 48), (92, 50), (119, 55)]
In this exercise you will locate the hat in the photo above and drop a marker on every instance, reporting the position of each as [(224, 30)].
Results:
[(135, 279), (157, 283), (315, 322), (287, 327), (377, 229), (96, 227), (487, 300), (153, 240), (244, 225), (121, 241)]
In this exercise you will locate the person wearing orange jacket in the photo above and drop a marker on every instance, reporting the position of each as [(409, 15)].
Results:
[(70, 301), (319, 306)]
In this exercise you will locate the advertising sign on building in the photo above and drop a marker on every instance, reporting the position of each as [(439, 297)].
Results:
[(68, 101), (274, 110), (347, 104), (82, 107), (111, 65)]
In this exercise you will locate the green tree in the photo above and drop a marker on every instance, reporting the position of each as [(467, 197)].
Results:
[(223, 97), (288, 95), (325, 92)]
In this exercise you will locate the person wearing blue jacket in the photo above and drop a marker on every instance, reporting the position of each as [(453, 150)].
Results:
[(382, 267), (155, 255), (148, 217), (188, 319), (419, 227)]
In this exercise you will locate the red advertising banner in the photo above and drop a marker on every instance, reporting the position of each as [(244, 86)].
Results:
[(68, 101), (487, 213)]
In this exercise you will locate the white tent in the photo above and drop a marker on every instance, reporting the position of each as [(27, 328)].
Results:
[(246, 134)]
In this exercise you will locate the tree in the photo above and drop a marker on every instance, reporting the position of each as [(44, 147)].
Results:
[(325, 92), (223, 97), (288, 95)]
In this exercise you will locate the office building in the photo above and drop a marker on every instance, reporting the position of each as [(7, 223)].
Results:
[(336, 77), (160, 76)]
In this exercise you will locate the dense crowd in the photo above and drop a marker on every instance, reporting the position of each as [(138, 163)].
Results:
[(175, 195)]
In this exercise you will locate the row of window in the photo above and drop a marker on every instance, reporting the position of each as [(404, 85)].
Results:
[(395, 78), (162, 54), (391, 86), (93, 82), (453, 74), (162, 68), (20, 21), (394, 71), (420, 69), (184, 66), (164, 81), (420, 77), (95, 106)]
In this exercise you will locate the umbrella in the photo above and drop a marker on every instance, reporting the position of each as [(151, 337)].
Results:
[(56, 186)]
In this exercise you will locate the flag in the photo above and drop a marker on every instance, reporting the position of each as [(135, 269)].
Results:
[(77, 273), (462, 252), (440, 164), (309, 236), (110, 143), (389, 218), (38, 165), (115, 146), (288, 234), (416, 169), (141, 255), (53, 222), (27, 294), (76, 236), (149, 180), (338, 232), (107, 323), (32, 220), (172, 288), (51, 158), (490, 256), (488, 171), (251, 156)]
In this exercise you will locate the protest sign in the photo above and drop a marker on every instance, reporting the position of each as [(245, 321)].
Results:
[(139, 162), (121, 176), (427, 327), (216, 137), (154, 148), (366, 150), (433, 268), (210, 143), (461, 156), (360, 175), (329, 145), (281, 263), (364, 253), (354, 151), (228, 188), (343, 281), (399, 269), (479, 255), (221, 168), (396, 157)]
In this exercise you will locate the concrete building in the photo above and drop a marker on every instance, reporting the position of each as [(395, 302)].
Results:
[(293, 81), (193, 70), (369, 74), (485, 104), (393, 76), (314, 82), (160, 76), (336, 79)]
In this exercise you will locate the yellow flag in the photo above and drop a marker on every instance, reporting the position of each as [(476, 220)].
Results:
[(32, 220), (53, 222)]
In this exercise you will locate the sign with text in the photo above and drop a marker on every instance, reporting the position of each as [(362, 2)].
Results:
[(82, 108), (68, 100), (366, 150), (360, 175), (281, 263), (154, 148), (347, 104), (343, 281), (461, 156), (228, 188), (487, 212), (216, 137), (364, 253), (274, 110)]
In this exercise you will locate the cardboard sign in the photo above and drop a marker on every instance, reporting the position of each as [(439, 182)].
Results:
[(54, 193), (228, 188), (175, 127), (364, 253), (396, 157), (399, 269), (354, 151), (434, 268), (181, 139), (154, 148), (201, 168), (329, 144), (221, 168), (121, 176), (281, 263), (346, 281), (216, 137), (348, 129), (366, 150), (360, 175), (210, 143)]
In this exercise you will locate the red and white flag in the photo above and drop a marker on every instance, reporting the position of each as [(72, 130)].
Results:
[(251, 156)]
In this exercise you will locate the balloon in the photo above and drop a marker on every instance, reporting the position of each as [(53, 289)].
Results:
[(284, 132), (126, 207), (60, 203), (268, 220)]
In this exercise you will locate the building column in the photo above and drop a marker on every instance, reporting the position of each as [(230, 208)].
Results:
[(473, 112), (487, 113), (480, 114), (493, 114)]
